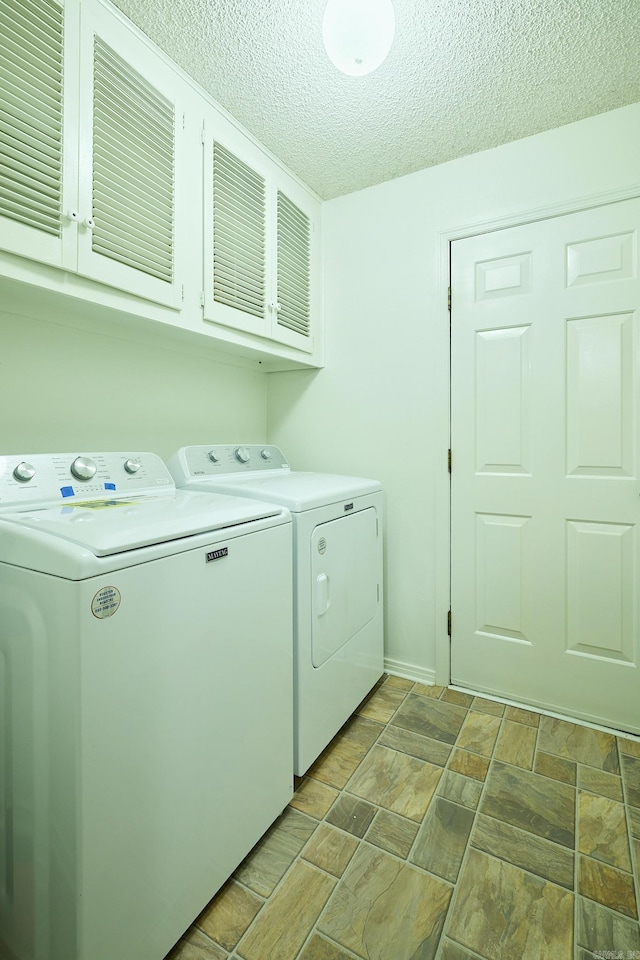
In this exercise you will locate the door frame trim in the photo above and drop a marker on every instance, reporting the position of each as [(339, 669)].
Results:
[(443, 350)]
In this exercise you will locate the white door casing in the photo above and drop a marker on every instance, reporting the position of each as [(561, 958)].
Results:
[(544, 487)]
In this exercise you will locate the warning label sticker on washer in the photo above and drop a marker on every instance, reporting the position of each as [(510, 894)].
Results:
[(105, 603)]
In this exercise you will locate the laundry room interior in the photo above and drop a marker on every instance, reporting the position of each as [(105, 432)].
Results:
[(396, 843)]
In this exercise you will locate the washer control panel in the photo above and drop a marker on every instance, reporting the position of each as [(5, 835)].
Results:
[(227, 459), (50, 477)]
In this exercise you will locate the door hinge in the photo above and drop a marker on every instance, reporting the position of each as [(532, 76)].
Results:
[(449, 623), (449, 299), (449, 459), (202, 298), (183, 292), (202, 139)]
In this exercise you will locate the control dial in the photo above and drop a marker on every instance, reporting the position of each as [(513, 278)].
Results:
[(265, 454), (131, 465), (24, 471), (83, 468), (241, 454), (213, 456)]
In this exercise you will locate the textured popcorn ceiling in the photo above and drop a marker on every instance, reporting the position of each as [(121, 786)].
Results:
[(462, 76)]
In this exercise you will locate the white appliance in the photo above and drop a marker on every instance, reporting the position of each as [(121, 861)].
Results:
[(145, 700), (337, 554)]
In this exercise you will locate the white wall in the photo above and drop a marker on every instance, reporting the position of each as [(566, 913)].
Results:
[(380, 406), (79, 390)]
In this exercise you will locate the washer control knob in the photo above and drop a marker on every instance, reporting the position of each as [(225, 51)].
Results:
[(83, 468), (265, 454), (24, 472), (213, 456), (132, 465), (241, 454)]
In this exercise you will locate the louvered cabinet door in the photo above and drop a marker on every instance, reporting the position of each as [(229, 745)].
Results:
[(131, 128), (292, 312), (236, 252), (32, 108)]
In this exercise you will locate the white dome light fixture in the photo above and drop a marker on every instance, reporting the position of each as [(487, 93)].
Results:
[(358, 34)]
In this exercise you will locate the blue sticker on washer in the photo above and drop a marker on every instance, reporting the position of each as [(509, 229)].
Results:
[(109, 486), (67, 491)]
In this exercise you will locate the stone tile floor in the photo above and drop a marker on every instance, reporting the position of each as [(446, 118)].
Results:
[(439, 826)]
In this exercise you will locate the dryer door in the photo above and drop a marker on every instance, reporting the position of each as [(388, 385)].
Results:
[(344, 576)]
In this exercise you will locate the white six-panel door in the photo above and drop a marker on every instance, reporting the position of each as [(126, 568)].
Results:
[(545, 486)]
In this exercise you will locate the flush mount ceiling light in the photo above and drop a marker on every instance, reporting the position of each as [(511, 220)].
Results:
[(358, 34)]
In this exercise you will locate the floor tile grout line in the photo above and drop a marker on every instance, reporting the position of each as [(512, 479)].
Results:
[(469, 708), (451, 909), (455, 888), (472, 953), (299, 857), (534, 836), (403, 861), (385, 725), (375, 846), (635, 865), (444, 769), (314, 930), (576, 865), (279, 884), (578, 896), (450, 912)]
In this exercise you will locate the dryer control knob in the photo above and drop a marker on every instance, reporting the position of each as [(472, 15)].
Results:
[(24, 472), (83, 468), (132, 465), (265, 454), (241, 454), (213, 456)]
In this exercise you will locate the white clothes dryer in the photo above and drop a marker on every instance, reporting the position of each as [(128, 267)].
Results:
[(145, 700), (337, 568)]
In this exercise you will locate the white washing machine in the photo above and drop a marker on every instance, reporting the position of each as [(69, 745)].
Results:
[(145, 700), (337, 554)]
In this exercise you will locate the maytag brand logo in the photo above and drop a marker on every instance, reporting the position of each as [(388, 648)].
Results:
[(348, 506), (217, 554)]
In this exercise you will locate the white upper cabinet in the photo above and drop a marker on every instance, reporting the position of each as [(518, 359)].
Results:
[(102, 196), (236, 225), (90, 147), (131, 125), (294, 313), (259, 243), (32, 105)]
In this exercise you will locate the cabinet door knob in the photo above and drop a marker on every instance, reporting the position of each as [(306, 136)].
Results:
[(89, 223), (72, 215)]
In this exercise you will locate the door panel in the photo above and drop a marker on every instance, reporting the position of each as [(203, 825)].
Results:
[(600, 396), (503, 440), (545, 489)]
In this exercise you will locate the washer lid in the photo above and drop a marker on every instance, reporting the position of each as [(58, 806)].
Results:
[(107, 527), (298, 490)]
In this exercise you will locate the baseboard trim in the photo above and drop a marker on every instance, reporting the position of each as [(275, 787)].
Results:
[(409, 671)]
